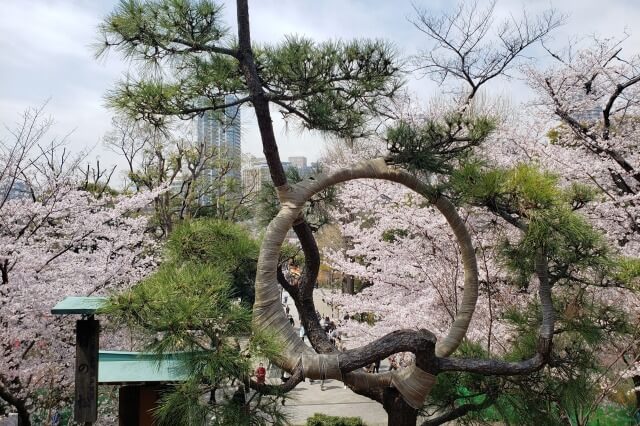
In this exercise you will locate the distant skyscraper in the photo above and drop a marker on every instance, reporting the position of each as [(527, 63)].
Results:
[(18, 190), (587, 112), (254, 173), (220, 131), (299, 163)]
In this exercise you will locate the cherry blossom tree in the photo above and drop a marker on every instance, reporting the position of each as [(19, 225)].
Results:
[(588, 105), (406, 251), (56, 240)]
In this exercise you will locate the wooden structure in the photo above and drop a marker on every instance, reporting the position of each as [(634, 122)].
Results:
[(85, 406), (141, 376)]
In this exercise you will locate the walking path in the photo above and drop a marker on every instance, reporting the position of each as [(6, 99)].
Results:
[(307, 399)]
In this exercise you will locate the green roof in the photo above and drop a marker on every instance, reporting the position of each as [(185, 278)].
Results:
[(131, 367), (78, 305)]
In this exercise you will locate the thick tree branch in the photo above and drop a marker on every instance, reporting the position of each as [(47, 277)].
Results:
[(607, 109), (260, 101), (392, 343), (460, 411), (18, 404), (590, 141), (304, 297)]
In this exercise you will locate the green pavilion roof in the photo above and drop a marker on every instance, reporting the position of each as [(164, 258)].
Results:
[(137, 367), (78, 305)]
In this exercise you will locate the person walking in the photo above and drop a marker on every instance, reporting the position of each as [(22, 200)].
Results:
[(261, 374), (302, 332), (393, 364)]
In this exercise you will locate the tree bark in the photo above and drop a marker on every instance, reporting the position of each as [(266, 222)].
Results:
[(636, 390), (304, 297), (278, 175), (259, 100), (24, 419), (347, 285), (460, 411), (399, 413), (4, 271)]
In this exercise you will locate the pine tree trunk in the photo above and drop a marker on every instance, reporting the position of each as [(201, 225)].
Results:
[(399, 413)]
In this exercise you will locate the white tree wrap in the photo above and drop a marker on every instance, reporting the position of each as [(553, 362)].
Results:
[(413, 383)]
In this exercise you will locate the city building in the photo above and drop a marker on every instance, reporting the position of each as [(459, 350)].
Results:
[(299, 163), (588, 111), (220, 132), (255, 171), (18, 190)]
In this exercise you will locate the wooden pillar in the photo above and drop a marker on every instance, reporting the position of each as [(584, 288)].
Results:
[(86, 390)]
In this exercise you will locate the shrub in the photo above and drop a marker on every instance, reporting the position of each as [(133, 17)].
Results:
[(324, 420)]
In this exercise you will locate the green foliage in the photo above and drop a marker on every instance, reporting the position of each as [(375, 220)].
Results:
[(332, 86), (626, 270), (434, 145), (522, 188), (554, 136), (226, 246), (569, 240), (178, 300), (454, 389), (392, 235), (325, 420), (578, 194), (534, 200), (98, 189), (336, 84), (569, 386), (268, 205), (612, 415), (547, 216), (566, 389), (189, 308)]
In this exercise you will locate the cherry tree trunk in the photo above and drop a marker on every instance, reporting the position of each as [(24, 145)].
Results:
[(348, 285)]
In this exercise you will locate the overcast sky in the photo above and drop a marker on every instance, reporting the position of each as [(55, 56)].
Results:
[(46, 52)]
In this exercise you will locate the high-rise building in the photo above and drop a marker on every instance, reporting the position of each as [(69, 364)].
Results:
[(587, 111), (220, 132), (18, 190), (299, 163), (255, 171)]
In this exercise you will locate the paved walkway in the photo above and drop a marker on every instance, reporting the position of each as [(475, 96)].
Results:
[(307, 399)]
